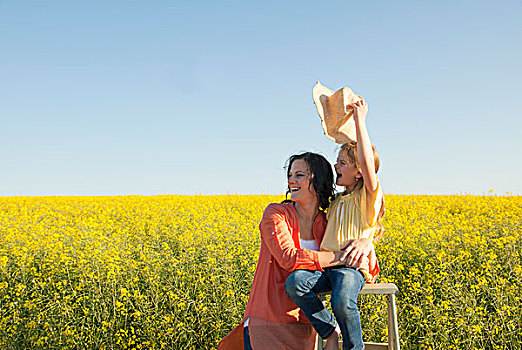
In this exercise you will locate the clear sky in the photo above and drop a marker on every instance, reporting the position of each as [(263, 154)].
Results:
[(188, 97)]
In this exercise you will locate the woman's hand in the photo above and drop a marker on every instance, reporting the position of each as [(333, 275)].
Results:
[(362, 263), (360, 109), (354, 250)]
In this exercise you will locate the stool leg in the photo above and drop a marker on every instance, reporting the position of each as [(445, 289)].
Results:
[(390, 328), (393, 327)]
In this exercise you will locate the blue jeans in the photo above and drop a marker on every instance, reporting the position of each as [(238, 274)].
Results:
[(345, 284), (246, 339)]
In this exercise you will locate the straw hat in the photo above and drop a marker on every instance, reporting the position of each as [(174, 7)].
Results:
[(336, 113)]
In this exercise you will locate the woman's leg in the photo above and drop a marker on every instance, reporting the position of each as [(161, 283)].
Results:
[(346, 285), (246, 339), (302, 287)]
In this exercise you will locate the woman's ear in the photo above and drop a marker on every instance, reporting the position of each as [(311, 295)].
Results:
[(358, 176)]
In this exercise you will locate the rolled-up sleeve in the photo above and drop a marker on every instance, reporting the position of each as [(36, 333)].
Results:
[(275, 232)]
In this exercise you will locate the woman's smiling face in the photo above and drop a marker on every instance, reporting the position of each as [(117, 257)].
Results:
[(299, 182)]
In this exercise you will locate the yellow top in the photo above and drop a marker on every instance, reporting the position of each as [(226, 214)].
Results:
[(351, 216)]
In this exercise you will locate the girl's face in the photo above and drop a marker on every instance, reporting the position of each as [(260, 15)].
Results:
[(299, 183), (347, 173)]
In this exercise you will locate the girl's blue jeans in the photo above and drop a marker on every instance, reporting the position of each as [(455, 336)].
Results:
[(302, 286)]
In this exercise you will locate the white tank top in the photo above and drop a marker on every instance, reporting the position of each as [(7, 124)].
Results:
[(309, 244)]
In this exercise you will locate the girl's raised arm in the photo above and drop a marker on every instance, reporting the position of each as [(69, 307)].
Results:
[(364, 148)]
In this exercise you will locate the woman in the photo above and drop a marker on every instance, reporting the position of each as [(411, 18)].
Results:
[(291, 233)]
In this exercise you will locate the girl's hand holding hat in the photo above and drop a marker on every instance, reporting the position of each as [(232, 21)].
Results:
[(360, 109)]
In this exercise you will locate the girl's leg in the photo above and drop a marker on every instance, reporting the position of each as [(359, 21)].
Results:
[(346, 285), (302, 287)]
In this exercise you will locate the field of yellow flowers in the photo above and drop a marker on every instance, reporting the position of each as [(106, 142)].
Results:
[(174, 272)]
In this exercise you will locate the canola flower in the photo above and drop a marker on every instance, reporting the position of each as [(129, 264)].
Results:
[(174, 272)]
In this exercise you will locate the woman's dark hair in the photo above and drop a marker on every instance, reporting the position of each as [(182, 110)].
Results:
[(321, 175)]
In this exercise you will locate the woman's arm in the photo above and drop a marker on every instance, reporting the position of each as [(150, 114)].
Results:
[(276, 234), (328, 259)]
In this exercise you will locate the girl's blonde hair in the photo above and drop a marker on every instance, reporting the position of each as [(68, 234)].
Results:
[(350, 150)]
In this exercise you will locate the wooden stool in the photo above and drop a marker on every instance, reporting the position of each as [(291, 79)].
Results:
[(388, 289)]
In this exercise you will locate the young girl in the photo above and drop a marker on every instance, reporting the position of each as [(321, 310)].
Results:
[(353, 222)]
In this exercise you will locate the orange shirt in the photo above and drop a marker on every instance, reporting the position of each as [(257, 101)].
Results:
[(275, 322)]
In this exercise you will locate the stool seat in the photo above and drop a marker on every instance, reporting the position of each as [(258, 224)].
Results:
[(379, 288), (390, 290)]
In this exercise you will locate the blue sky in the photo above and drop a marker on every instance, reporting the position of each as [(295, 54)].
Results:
[(171, 97)]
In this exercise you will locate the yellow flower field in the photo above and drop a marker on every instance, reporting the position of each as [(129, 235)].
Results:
[(174, 272)]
